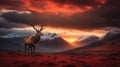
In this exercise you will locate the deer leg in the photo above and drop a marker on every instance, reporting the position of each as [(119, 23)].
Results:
[(34, 49), (29, 48), (25, 47)]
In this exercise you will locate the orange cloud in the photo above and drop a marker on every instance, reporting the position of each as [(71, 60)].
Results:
[(47, 6), (66, 7)]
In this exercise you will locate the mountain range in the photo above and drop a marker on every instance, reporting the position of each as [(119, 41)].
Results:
[(52, 43), (86, 40), (107, 44), (49, 43)]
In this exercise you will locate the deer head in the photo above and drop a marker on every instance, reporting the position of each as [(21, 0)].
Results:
[(37, 29)]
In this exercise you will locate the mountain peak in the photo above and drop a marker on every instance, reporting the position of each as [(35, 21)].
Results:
[(114, 31), (91, 37), (112, 34), (49, 36)]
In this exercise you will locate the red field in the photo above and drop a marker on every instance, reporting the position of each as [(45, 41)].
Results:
[(12, 59)]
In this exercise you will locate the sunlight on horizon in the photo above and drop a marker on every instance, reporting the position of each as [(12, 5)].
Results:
[(70, 35)]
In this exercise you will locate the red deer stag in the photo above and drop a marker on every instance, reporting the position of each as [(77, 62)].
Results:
[(30, 41)]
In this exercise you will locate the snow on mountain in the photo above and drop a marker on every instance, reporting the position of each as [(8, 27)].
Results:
[(115, 31), (51, 42), (49, 36), (111, 35)]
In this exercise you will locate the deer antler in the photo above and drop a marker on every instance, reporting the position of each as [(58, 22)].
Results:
[(33, 25), (41, 28)]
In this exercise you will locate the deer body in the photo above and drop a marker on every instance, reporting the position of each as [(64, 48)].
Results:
[(30, 41)]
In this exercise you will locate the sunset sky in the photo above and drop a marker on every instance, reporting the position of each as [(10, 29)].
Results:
[(70, 19)]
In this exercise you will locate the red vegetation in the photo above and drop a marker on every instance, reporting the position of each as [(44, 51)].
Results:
[(11, 59)]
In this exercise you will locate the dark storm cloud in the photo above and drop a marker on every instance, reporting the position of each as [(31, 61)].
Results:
[(112, 15), (33, 18), (5, 24), (111, 9), (111, 12), (10, 25), (86, 20), (111, 3), (20, 4), (11, 4), (106, 16), (75, 2), (17, 17)]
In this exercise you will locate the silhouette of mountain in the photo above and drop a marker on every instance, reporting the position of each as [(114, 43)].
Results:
[(108, 43), (50, 42), (86, 40), (112, 35)]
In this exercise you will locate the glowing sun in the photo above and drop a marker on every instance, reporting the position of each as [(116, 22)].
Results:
[(71, 40)]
